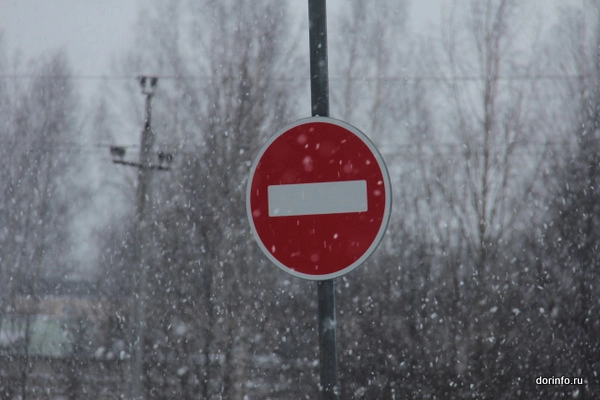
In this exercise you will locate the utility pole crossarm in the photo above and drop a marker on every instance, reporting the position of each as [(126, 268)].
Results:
[(139, 165), (148, 86)]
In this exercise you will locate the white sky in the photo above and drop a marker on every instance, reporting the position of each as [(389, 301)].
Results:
[(94, 31), (91, 31)]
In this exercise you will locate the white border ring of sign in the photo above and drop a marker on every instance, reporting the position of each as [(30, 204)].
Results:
[(388, 199)]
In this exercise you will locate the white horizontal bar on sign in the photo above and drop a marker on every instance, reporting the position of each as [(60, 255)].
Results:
[(317, 198)]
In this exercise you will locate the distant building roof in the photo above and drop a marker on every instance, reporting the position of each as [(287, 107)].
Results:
[(35, 335), (59, 287)]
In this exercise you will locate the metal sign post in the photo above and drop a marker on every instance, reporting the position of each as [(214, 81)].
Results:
[(318, 199), (319, 89)]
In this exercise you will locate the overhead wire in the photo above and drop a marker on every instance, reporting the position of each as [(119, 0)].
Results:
[(399, 78), (102, 149), (397, 148)]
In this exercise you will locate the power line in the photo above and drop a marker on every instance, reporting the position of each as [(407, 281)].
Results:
[(71, 76), (398, 78), (100, 149), (433, 78)]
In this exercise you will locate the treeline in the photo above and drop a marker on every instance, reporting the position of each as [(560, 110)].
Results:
[(488, 275)]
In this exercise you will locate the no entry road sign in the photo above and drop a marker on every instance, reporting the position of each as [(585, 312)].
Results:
[(318, 198)]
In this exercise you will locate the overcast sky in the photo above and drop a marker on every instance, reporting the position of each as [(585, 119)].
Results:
[(94, 31), (90, 30)]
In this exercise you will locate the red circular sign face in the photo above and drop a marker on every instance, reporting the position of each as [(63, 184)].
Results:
[(318, 198)]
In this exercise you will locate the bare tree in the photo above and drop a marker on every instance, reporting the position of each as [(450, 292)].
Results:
[(569, 237), (39, 155), (367, 65), (41, 194), (226, 89), (484, 171)]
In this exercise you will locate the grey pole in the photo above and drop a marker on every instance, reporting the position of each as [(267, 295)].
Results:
[(138, 329), (319, 74), (319, 89), (330, 388)]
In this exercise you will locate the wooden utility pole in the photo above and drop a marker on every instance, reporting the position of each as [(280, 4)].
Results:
[(141, 242)]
